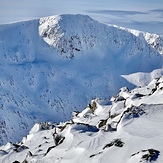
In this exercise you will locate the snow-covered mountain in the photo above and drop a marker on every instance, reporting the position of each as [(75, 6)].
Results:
[(125, 129), (55, 65), (154, 40)]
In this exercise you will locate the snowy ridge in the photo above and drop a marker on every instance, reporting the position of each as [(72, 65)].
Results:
[(127, 128), (72, 34), (53, 66), (154, 40)]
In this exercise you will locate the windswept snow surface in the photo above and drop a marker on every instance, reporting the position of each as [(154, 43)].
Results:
[(143, 78), (125, 129), (55, 65)]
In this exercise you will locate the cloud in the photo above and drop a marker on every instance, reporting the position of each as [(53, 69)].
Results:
[(116, 12), (148, 20), (157, 10), (150, 26)]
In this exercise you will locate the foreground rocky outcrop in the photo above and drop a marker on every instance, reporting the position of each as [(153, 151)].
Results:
[(126, 128)]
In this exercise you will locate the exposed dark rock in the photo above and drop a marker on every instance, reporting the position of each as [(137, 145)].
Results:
[(134, 111), (75, 113), (2, 152), (25, 161), (120, 98), (58, 139), (76, 49), (124, 89), (82, 127), (93, 106), (149, 155), (30, 153), (45, 137), (107, 127), (110, 128), (153, 90), (137, 95), (50, 148), (152, 156), (116, 142), (117, 98), (46, 125), (19, 148), (95, 154), (102, 123), (113, 115), (64, 126)]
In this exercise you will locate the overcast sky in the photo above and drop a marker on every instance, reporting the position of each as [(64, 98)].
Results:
[(146, 15)]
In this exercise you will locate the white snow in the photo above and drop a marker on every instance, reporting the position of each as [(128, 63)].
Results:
[(56, 65), (136, 138), (143, 78)]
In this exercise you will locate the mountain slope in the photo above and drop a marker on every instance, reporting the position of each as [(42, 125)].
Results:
[(154, 40), (55, 65), (128, 128)]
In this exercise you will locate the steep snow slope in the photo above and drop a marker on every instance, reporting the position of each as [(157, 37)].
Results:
[(154, 40), (126, 129), (52, 66)]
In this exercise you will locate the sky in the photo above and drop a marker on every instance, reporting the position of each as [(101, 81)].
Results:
[(145, 15)]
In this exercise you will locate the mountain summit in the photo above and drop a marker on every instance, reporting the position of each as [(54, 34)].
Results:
[(55, 65), (71, 34)]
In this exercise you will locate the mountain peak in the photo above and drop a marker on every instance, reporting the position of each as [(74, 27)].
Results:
[(74, 34), (68, 33)]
